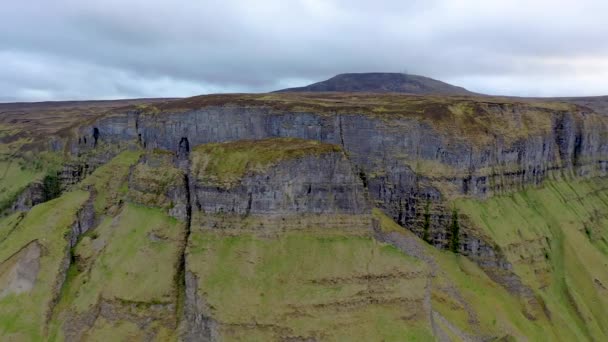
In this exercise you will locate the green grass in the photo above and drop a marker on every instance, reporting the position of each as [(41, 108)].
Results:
[(555, 237), (131, 266), (151, 181), (108, 181), (13, 180), (23, 316), (131, 258), (310, 285), (226, 163), (105, 330), (498, 313), (16, 173)]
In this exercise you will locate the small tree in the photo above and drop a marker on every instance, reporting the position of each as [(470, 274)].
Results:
[(51, 186)]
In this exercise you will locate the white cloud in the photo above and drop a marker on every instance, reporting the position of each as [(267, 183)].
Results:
[(109, 48)]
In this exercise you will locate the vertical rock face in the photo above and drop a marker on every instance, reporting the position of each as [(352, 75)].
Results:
[(85, 220), (406, 161), (32, 195), (323, 184), (278, 182), (412, 162), (570, 140)]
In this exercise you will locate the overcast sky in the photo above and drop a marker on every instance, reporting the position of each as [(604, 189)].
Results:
[(103, 49)]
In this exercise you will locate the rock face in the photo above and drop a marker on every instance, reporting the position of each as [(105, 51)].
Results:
[(310, 184), (32, 195), (382, 82), (85, 220), (18, 273), (199, 326), (410, 162)]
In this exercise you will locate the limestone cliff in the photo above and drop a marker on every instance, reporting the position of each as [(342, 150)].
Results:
[(290, 217), (412, 153)]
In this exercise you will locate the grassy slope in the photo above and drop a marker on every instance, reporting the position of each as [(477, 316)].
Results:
[(124, 261), (227, 163), (13, 179), (151, 181), (495, 312), (16, 173), (556, 238), (130, 257), (330, 285), (109, 182), (23, 316)]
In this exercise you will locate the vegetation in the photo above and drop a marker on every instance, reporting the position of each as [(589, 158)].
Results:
[(130, 260), (23, 315), (13, 180), (324, 285), (542, 232), (153, 179), (131, 257), (17, 172), (225, 164), (264, 284), (473, 303), (51, 186), (147, 109), (109, 181)]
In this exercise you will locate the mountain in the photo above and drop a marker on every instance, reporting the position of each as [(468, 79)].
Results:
[(382, 82), (304, 217)]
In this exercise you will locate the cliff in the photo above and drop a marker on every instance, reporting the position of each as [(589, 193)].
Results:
[(309, 217), (414, 154)]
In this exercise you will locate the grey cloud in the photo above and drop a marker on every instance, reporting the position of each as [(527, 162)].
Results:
[(108, 49)]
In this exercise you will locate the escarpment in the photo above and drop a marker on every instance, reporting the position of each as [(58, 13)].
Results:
[(290, 217), (413, 153)]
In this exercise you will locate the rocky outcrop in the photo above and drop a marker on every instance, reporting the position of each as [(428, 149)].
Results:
[(19, 272), (32, 195), (323, 184), (155, 181), (198, 323), (72, 173), (85, 220)]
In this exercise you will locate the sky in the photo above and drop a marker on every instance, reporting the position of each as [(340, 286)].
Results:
[(108, 49)]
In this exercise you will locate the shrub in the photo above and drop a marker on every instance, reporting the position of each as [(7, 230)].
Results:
[(51, 186)]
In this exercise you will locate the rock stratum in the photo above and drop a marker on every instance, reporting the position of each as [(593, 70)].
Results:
[(304, 217)]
